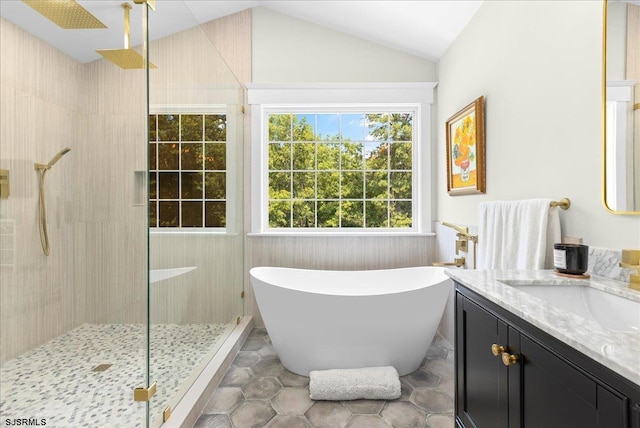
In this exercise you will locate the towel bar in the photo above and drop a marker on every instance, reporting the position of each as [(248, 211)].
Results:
[(563, 203)]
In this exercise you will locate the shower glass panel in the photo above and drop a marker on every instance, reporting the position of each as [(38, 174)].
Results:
[(73, 323), (195, 193)]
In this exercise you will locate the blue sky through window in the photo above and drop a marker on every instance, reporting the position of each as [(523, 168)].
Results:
[(328, 126), (353, 127)]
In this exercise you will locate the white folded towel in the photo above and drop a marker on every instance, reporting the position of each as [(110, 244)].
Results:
[(370, 383), (517, 234)]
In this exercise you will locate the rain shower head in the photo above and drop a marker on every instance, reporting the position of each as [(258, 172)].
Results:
[(126, 58), (66, 14), (58, 155)]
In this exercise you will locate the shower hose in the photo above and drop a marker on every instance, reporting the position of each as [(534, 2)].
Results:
[(42, 213)]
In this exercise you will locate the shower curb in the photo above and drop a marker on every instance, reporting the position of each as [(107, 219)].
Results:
[(186, 413)]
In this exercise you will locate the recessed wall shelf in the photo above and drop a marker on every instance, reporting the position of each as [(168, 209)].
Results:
[(139, 187)]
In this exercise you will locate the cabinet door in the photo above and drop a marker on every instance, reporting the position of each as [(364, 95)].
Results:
[(555, 394), (481, 383)]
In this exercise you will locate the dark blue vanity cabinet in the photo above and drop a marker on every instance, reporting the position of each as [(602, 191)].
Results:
[(511, 374)]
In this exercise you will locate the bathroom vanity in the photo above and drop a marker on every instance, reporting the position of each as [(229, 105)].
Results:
[(535, 350)]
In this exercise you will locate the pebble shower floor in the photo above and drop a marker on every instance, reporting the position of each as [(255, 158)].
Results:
[(56, 381)]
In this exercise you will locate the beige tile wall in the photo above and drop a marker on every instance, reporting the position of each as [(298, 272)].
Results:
[(49, 101)]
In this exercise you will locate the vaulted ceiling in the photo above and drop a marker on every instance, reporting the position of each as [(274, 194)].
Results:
[(425, 28)]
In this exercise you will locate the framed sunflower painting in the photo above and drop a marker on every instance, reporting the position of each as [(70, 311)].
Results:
[(465, 150)]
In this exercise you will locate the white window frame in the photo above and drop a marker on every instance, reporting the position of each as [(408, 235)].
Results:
[(231, 161), (266, 98)]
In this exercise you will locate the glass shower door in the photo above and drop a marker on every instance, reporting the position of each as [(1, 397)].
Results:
[(195, 204)]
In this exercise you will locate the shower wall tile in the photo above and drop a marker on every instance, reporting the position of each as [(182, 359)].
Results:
[(208, 294), (333, 252), (112, 268), (39, 107), (231, 36), (98, 239)]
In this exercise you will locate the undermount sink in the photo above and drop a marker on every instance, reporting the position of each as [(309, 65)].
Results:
[(612, 312)]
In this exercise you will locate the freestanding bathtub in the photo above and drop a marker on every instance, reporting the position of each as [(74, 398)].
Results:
[(320, 319)]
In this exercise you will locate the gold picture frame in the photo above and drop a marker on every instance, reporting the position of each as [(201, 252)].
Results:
[(465, 150)]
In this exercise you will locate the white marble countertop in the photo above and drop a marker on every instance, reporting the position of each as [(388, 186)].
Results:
[(617, 350)]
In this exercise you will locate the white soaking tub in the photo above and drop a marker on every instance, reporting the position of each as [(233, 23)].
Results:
[(321, 319)]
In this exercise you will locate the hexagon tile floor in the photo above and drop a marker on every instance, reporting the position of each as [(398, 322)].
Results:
[(258, 392)]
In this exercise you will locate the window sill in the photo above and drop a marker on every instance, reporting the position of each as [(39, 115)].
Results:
[(192, 232), (342, 234)]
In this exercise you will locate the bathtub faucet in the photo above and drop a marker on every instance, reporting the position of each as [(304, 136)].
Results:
[(462, 232), (462, 240)]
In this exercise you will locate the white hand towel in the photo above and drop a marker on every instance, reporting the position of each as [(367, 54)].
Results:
[(369, 383), (517, 234)]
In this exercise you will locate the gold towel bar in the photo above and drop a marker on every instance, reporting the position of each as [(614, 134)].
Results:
[(563, 203)]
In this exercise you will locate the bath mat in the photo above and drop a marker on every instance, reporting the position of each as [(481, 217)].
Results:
[(370, 383)]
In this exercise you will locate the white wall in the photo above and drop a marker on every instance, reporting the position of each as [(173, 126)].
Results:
[(539, 66), (289, 50)]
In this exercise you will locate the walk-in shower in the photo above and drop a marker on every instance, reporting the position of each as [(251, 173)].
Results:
[(42, 201), (134, 291)]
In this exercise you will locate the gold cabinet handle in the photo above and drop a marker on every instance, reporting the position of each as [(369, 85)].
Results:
[(498, 349), (509, 359)]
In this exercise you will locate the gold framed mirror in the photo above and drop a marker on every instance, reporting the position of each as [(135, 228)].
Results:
[(621, 106)]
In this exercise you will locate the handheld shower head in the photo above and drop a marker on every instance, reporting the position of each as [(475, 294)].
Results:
[(42, 170), (58, 155)]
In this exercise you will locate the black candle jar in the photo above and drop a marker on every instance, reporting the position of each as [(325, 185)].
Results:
[(572, 259)]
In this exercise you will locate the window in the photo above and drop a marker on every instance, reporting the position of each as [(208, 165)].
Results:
[(340, 158), (348, 169), (188, 170)]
